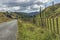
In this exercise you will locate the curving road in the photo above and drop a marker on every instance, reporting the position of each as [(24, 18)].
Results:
[(8, 30)]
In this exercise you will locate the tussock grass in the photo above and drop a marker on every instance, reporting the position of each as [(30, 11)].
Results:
[(28, 31)]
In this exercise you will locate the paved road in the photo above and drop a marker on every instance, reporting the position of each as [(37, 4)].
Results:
[(8, 30)]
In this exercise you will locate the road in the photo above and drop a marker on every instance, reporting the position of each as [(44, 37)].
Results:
[(8, 30)]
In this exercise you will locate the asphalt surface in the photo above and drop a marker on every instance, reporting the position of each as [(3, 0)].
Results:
[(8, 30)]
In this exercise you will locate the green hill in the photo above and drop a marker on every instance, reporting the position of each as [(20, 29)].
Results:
[(52, 11), (48, 13)]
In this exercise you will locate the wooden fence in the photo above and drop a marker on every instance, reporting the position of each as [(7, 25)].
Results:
[(52, 24)]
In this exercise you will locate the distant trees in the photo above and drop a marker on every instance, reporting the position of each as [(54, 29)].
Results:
[(8, 14)]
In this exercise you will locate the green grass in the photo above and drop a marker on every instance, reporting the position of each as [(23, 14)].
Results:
[(28, 31)]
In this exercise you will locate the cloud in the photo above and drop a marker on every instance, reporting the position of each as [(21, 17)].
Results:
[(16, 8), (22, 5), (22, 0)]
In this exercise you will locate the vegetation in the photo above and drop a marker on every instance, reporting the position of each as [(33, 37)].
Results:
[(3, 18), (28, 31)]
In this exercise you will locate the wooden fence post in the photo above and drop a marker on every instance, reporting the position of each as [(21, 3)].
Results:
[(45, 16), (47, 24), (41, 19), (50, 25), (34, 21), (57, 25), (53, 25)]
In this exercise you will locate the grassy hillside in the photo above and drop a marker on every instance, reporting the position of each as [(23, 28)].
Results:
[(50, 13), (3, 18)]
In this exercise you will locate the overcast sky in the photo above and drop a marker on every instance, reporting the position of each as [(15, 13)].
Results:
[(23, 5)]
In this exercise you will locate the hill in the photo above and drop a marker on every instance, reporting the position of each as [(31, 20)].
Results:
[(8, 16), (52, 11), (49, 12), (3, 18)]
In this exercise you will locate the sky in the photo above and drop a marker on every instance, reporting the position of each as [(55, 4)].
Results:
[(24, 5)]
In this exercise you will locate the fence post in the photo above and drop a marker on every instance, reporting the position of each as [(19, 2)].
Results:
[(41, 19), (53, 25), (57, 25), (40, 16), (47, 24), (50, 25), (34, 21), (45, 16)]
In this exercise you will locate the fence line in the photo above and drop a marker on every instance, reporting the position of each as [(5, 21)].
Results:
[(50, 24)]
